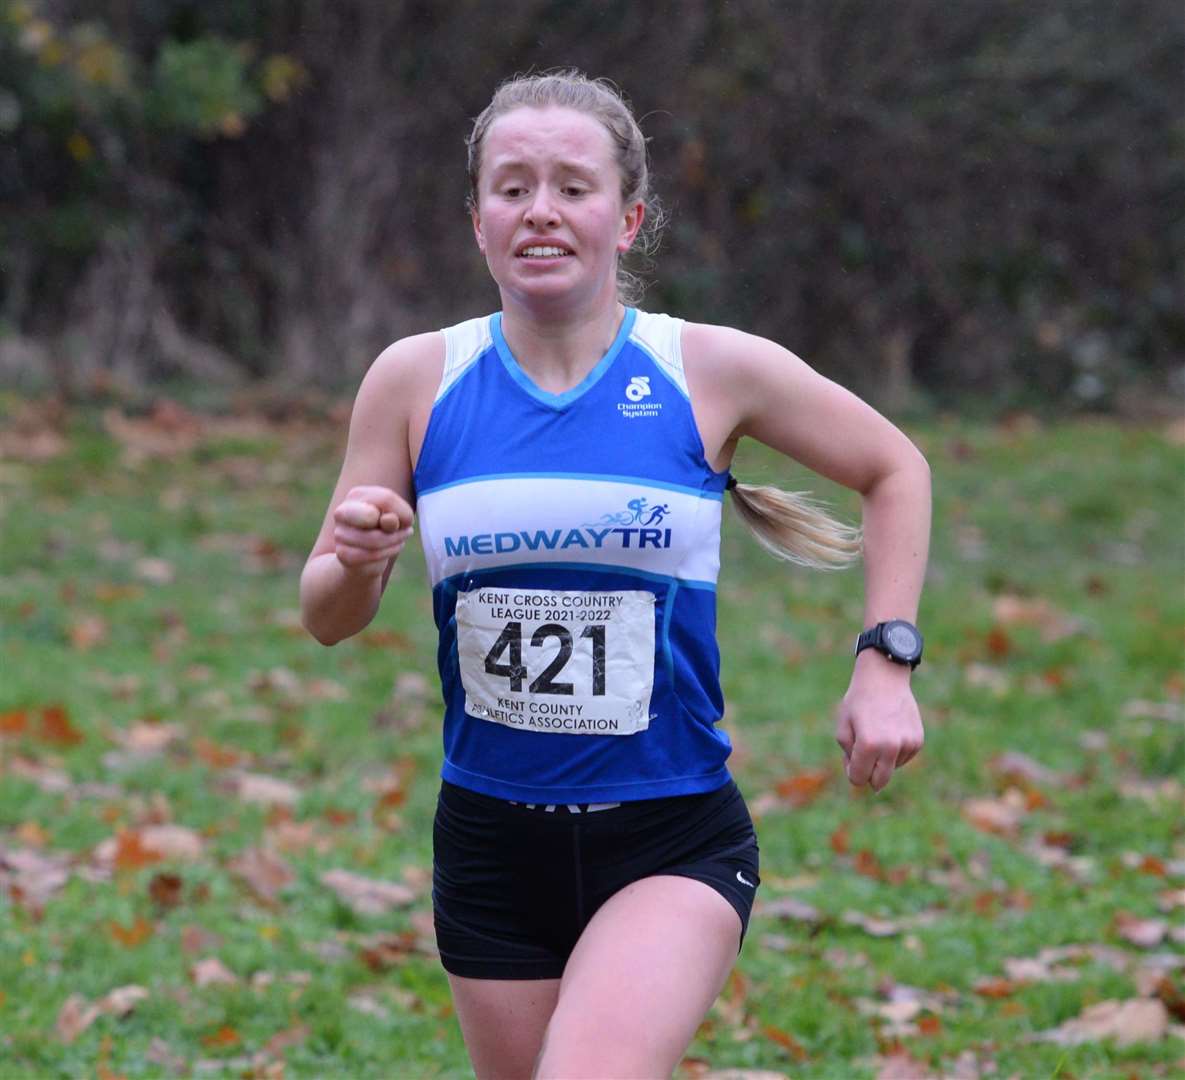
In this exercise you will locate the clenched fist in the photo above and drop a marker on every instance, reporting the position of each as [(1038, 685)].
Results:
[(371, 525)]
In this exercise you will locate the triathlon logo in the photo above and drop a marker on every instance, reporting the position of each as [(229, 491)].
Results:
[(636, 405), (637, 512), (639, 387), (634, 528)]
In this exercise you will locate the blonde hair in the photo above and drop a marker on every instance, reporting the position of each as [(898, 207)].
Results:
[(791, 525), (600, 99)]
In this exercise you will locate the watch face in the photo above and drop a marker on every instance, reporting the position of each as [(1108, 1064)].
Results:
[(901, 639)]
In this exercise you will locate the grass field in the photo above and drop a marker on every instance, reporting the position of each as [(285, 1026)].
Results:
[(181, 767)]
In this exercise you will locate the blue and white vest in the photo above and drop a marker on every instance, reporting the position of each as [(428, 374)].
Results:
[(573, 545)]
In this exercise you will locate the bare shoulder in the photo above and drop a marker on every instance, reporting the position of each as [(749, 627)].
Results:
[(778, 399), (406, 369), (740, 373), (392, 407), (733, 352)]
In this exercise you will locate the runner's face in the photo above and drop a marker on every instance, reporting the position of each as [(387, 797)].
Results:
[(550, 218)]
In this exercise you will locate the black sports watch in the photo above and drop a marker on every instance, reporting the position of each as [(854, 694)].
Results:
[(899, 640)]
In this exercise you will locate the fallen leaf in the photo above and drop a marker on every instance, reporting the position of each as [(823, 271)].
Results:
[(264, 872), (77, 1014), (803, 788), (147, 738), (282, 1040), (131, 853), (49, 780), (988, 677), (122, 1000), (1153, 710), (866, 864), (1015, 767), (266, 790), (56, 727), (367, 896), (929, 1025), (791, 909), (368, 1006), (297, 836), (1144, 933), (165, 890), (160, 1053), (785, 1040), (131, 936), (872, 926), (32, 833), (173, 842), (1053, 624), (995, 988), (1170, 898), (224, 1036), (967, 1067), (74, 1017), (30, 878), (14, 722), (384, 951), (901, 1066), (997, 816), (216, 756), (153, 570), (196, 939), (212, 972), (1127, 1022), (87, 631)]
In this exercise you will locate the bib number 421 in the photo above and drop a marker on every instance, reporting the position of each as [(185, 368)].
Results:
[(509, 644)]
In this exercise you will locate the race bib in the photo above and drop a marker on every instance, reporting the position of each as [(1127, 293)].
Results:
[(559, 661)]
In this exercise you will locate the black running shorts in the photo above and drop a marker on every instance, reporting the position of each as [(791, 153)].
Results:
[(513, 886)]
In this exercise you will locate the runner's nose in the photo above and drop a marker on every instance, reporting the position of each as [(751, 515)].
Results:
[(542, 210)]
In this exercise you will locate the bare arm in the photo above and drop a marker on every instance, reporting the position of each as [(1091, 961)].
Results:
[(370, 513), (745, 385)]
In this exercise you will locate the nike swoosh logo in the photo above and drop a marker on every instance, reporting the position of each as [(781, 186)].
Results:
[(744, 880)]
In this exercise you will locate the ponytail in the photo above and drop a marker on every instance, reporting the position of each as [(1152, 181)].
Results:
[(790, 525)]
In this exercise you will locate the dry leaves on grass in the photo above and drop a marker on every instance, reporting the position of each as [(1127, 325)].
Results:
[(1054, 625), (146, 739), (367, 896), (77, 1014), (211, 971), (1127, 1022), (1020, 768), (264, 873), (1001, 817), (1143, 933), (264, 790), (793, 792), (131, 849), (31, 878)]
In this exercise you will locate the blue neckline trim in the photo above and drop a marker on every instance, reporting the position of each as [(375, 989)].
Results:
[(560, 401), (608, 478)]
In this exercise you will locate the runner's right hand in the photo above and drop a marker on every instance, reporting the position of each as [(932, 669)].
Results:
[(371, 525)]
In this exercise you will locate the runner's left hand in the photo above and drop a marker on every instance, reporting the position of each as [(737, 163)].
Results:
[(878, 725)]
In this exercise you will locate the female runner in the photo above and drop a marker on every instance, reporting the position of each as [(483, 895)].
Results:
[(567, 457)]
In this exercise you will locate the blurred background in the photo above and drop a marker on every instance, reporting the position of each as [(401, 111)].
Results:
[(215, 834), (973, 205)]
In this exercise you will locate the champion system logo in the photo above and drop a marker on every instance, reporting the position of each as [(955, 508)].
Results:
[(637, 390)]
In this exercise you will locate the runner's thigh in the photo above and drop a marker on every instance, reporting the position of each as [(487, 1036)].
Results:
[(503, 1021), (640, 980)]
